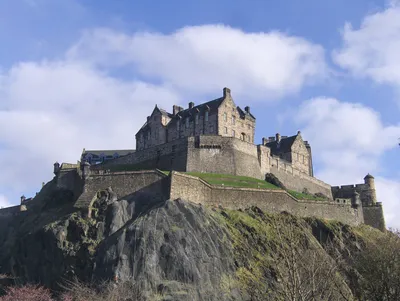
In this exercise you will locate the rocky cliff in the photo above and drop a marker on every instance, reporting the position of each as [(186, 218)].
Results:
[(173, 250)]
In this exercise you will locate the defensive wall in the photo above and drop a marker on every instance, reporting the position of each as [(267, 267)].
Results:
[(128, 185), (372, 210), (271, 200), (224, 155), (154, 185)]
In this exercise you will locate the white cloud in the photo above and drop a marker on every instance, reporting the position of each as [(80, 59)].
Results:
[(203, 59), (4, 202), (388, 191), (373, 49), (50, 110), (348, 141)]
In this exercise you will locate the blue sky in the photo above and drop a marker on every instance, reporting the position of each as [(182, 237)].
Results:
[(77, 74)]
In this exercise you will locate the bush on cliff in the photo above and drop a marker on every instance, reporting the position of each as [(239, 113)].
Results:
[(271, 178)]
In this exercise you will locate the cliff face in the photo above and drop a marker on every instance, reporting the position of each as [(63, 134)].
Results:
[(175, 250)]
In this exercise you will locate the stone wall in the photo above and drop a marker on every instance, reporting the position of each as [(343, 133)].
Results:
[(373, 216), (171, 155), (367, 195), (71, 180), (224, 155), (295, 180), (129, 185), (9, 211), (193, 189)]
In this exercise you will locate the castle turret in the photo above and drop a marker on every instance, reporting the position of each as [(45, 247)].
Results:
[(85, 168), (278, 137), (56, 168), (371, 194), (355, 200)]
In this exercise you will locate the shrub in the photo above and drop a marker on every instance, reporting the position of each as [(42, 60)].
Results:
[(27, 293)]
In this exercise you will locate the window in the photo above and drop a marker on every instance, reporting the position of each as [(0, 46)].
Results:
[(187, 122), (206, 116), (233, 120), (197, 119), (233, 133), (226, 130), (225, 117)]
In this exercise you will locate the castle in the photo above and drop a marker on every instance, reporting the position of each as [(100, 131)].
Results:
[(218, 137)]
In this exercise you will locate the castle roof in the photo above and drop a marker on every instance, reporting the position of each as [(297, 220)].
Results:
[(284, 146), (368, 176), (107, 153), (211, 106)]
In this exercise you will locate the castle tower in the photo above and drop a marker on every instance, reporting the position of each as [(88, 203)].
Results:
[(355, 200), (56, 168), (371, 194)]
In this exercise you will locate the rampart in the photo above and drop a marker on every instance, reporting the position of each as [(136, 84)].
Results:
[(196, 190), (130, 185), (217, 154)]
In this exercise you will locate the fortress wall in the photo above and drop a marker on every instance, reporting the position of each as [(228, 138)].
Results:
[(373, 216), (9, 211), (224, 155), (126, 185), (186, 186), (275, 201), (171, 155), (298, 181), (71, 180)]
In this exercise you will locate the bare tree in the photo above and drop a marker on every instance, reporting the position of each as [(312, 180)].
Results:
[(378, 266), (304, 270)]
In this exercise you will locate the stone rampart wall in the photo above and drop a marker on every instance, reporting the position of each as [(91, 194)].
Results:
[(295, 180), (171, 155), (9, 211), (224, 155), (193, 189), (130, 185), (70, 179), (374, 217)]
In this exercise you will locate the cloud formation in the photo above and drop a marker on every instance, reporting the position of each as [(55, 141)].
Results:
[(202, 59), (4, 202), (348, 141), (51, 109), (372, 50)]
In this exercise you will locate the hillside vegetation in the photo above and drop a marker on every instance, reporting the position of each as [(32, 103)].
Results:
[(177, 250)]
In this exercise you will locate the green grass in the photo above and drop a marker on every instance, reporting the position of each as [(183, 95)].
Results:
[(232, 181), (304, 196)]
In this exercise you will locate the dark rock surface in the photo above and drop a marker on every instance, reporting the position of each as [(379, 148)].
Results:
[(173, 250)]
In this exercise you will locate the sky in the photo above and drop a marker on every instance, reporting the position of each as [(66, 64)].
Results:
[(85, 74)]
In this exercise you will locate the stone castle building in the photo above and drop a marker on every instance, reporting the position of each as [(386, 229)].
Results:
[(218, 137)]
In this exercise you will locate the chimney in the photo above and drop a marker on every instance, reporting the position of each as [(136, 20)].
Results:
[(23, 198), (176, 109), (271, 138), (264, 141), (227, 92), (247, 109), (191, 105), (278, 137), (298, 133)]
